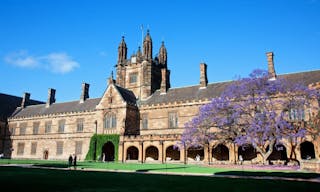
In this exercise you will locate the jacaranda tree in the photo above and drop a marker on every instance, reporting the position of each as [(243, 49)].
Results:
[(251, 111)]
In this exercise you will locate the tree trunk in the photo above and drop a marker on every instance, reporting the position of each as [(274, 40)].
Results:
[(266, 154)]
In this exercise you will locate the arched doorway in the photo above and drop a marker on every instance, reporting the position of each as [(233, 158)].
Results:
[(279, 153), (307, 150), (152, 153), (195, 154), (220, 153), (172, 154), (46, 154), (247, 152), (132, 153), (108, 151)]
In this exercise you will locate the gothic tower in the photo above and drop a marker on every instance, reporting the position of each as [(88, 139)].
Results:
[(122, 51), (147, 47), (163, 55), (142, 74)]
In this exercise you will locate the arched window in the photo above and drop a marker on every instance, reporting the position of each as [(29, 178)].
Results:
[(110, 121)]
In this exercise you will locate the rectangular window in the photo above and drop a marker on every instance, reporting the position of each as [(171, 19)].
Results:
[(78, 150), (20, 150), (145, 121), (47, 127), (59, 147), (22, 130), (33, 148), (133, 77), (110, 121), (173, 120), (12, 128), (36, 128), (80, 125), (61, 126)]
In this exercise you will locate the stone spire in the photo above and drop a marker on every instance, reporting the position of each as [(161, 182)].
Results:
[(122, 51), (147, 47), (271, 70), (163, 55), (139, 54)]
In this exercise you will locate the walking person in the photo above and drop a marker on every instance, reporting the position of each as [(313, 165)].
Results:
[(75, 161), (70, 160)]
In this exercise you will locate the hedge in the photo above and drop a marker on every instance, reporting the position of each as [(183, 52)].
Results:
[(101, 140)]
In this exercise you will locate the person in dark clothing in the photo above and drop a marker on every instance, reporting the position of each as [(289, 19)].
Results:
[(70, 160), (75, 161)]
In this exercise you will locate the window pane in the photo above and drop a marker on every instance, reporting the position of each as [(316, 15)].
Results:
[(33, 148), (61, 126), (59, 147)]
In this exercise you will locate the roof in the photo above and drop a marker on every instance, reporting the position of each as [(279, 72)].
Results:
[(187, 93), (215, 89), (55, 108), (173, 95), (9, 103), (307, 77), (127, 95)]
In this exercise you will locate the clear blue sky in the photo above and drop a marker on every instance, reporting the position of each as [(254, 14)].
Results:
[(62, 43)]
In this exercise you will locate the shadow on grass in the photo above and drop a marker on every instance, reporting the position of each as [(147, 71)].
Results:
[(53, 165), (158, 169), (270, 174)]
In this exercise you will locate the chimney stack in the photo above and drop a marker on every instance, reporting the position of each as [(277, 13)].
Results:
[(163, 87), (84, 92), (25, 100), (271, 70), (203, 76), (51, 97)]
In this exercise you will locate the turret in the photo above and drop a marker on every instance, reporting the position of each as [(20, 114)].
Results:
[(147, 47), (163, 55), (122, 51)]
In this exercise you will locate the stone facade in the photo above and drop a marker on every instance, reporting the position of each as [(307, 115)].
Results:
[(140, 107)]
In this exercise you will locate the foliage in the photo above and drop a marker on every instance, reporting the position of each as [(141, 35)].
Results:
[(101, 139), (253, 110)]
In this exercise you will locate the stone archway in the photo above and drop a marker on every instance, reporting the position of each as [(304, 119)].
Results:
[(279, 153), (220, 153), (307, 150), (45, 154), (108, 151), (247, 152), (194, 153), (172, 154), (132, 153), (152, 153)]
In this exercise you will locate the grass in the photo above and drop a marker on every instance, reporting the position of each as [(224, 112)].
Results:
[(33, 179)]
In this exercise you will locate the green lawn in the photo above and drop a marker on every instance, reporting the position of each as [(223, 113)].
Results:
[(33, 179)]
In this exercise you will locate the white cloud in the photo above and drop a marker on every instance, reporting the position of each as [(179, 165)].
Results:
[(60, 62), (21, 59), (54, 62)]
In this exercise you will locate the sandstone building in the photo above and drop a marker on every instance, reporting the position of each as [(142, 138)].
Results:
[(138, 118)]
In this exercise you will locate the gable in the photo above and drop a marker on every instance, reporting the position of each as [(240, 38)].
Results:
[(111, 98)]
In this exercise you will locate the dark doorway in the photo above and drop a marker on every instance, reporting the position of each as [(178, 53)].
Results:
[(46, 154), (220, 152), (132, 153), (108, 151), (196, 154), (172, 153), (307, 150), (152, 152), (279, 153), (247, 152)]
